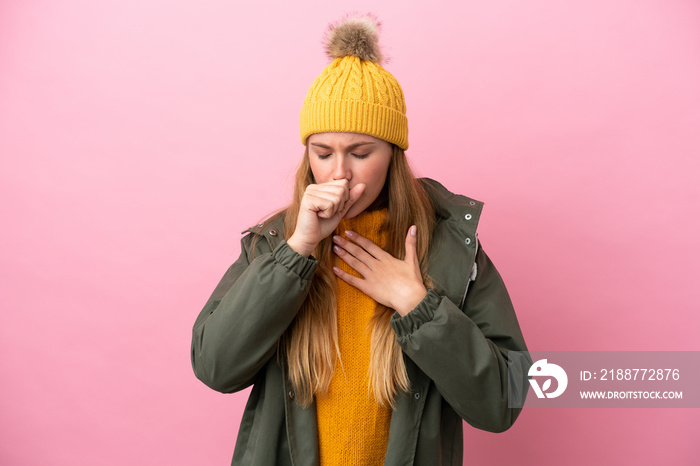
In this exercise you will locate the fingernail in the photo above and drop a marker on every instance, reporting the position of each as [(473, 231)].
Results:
[(336, 249), (413, 230), (336, 270), (349, 233)]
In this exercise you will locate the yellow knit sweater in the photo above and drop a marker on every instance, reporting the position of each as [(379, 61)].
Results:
[(353, 429)]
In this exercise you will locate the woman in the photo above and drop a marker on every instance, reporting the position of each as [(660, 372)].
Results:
[(366, 316)]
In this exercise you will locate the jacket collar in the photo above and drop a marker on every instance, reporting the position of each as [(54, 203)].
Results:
[(454, 241), (454, 207)]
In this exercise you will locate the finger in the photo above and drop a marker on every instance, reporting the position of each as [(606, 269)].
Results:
[(336, 193), (355, 194), (340, 182), (356, 263), (332, 198), (352, 280), (411, 244), (357, 250), (323, 207), (338, 190), (364, 243)]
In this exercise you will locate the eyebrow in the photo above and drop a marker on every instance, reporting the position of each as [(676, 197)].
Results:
[(350, 147)]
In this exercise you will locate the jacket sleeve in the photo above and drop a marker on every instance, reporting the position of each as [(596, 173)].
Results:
[(465, 351), (237, 331)]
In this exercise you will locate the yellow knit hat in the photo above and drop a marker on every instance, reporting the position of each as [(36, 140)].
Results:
[(354, 93)]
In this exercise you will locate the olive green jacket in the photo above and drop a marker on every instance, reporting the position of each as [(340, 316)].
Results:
[(455, 345)]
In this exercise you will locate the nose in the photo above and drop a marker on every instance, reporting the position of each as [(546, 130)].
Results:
[(342, 168)]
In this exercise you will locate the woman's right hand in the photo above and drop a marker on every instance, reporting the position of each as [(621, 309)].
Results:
[(322, 207)]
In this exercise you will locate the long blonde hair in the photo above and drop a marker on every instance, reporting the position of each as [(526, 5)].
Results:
[(310, 344)]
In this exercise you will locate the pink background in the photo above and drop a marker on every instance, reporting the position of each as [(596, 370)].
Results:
[(134, 135)]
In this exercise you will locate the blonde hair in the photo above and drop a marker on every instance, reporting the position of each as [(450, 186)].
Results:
[(310, 344)]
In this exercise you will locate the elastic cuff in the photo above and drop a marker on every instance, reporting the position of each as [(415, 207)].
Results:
[(422, 313), (289, 258)]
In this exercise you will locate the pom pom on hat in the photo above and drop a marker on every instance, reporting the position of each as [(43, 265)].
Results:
[(356, 35)]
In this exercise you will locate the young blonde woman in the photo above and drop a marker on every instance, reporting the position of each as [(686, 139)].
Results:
[(366, 315)]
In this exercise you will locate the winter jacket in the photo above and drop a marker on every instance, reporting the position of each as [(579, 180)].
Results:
[(455, 344)]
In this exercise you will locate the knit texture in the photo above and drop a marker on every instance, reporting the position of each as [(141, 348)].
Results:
[(355, 96), (353, 429)]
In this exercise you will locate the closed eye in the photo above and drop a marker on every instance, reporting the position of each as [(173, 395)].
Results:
[(357, 156)]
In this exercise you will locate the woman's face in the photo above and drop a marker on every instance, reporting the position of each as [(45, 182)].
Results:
[(358, 158)]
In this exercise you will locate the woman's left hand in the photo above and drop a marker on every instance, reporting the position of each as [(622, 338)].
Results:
[(390, 281)]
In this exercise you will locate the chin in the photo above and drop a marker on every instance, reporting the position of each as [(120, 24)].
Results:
[(362, 205), (354, 212)]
